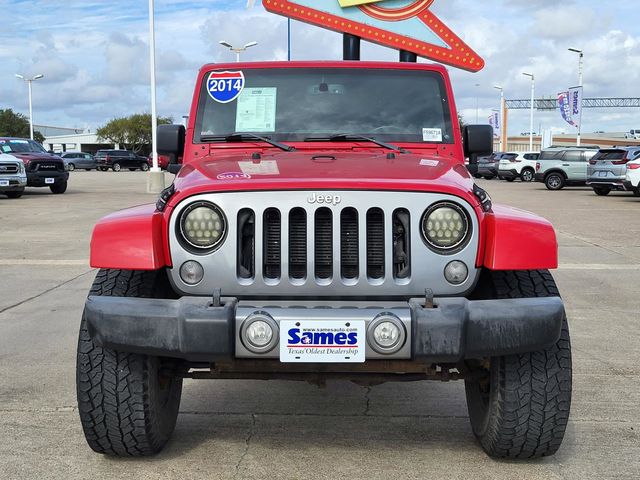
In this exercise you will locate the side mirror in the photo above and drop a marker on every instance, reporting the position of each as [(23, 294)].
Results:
[(171, 140), (478, 140)]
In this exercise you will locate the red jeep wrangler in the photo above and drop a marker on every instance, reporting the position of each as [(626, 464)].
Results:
[(323, 225)]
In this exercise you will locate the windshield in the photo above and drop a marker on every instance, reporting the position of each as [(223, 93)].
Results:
[(294, 104), (21, 146)]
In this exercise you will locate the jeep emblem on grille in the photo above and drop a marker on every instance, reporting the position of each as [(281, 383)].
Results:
[(328, 199)]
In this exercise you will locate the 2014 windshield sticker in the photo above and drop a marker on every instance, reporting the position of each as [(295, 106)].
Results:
[(225, 87)]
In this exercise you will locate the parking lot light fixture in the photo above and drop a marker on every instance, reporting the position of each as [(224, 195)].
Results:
[(237, 50), (30, 83), (533, 101)]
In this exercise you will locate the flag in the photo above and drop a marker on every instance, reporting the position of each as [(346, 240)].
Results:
[(575, 95), (570, 103), (494, 121)]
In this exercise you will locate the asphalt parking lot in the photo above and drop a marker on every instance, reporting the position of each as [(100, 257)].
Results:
[(254, 429)]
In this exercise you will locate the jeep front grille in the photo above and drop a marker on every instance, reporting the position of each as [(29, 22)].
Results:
[(325, 254), (281, 244)]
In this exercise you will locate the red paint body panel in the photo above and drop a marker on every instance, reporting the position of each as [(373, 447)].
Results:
[(137, 238), (131, 239), (519, 240)]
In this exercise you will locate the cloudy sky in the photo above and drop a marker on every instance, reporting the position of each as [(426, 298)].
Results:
[(95, 58)]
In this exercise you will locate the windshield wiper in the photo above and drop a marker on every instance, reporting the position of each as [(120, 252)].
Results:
[(347, 137), (243, 136)]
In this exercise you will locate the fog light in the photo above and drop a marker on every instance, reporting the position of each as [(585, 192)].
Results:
[(259, 333), (191, 272), (386, 334), (456, 272)]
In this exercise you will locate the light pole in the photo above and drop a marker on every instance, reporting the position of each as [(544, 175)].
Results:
[(533, 101), (477, 104), (502, 134), (155, 181), (580, 70), (30, 82), (237, 50)]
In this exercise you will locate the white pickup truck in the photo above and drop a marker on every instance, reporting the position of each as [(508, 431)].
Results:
[(13, 177)]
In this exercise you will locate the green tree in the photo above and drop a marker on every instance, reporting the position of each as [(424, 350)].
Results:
[(13, 124), (132, 132)]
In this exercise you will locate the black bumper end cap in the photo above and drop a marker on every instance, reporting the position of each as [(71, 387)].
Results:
[(170, 328), (459, 329)]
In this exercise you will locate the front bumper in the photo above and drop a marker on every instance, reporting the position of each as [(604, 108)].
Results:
[(15, 183), (539, 177), (39, 179), (630, 186), (455, 329)]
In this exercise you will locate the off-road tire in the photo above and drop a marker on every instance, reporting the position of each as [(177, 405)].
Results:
[(15, 194), (527, 175), (58, 188), (554, 181), (519, 407), (127, 408)]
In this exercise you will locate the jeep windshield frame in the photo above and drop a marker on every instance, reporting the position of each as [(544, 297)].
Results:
[(389, 105)]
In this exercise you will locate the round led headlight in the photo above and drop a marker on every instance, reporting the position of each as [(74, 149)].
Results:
[(445, 227), (203, 226)]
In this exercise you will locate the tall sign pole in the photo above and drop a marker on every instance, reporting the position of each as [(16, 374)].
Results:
[(155, 182), (580, 84)]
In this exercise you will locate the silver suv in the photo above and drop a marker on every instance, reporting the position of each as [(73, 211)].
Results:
[(13, 177), (558, 167), (608, 169)]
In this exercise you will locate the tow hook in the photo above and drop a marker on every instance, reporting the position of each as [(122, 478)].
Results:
[(428, 299), (215, 298)]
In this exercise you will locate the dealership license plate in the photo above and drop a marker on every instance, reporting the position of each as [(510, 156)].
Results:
[(4, 183), (317, 341), (49, 181)]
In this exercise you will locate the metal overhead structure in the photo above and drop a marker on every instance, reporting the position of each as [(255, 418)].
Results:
[(552, 103)]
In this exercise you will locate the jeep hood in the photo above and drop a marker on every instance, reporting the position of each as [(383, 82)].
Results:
[(326, 170)]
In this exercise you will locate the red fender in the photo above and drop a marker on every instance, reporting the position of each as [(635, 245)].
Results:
[(519, 240), (130, 239)]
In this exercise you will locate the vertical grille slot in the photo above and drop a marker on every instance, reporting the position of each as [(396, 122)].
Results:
[(349, 243), (323, 243), (272, 244), (401, 244), (375, 243), (298, 243), (246, 244)]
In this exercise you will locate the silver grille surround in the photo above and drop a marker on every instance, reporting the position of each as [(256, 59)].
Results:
[(427, 266)]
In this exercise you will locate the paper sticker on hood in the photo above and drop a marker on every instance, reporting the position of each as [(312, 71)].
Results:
[(265, 167)]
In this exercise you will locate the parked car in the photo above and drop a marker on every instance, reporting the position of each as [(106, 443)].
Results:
[(259, 269), (633, 134), (520, 165), (632, 177), (73, 160), (116, 160), (163, 161), (13, 176), (608, 169), (488, 166), (558, 167), (43, 169)]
